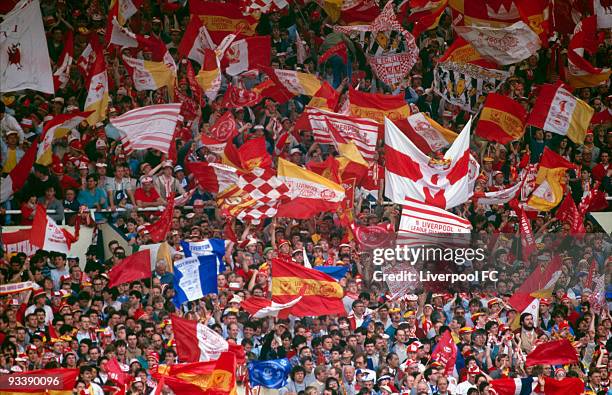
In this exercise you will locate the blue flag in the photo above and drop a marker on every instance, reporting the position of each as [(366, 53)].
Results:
[(194, 278), (337, 272), (206, 247), (269, 374)]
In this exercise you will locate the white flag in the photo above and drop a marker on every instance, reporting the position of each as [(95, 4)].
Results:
[(24, 57), (506, 45)]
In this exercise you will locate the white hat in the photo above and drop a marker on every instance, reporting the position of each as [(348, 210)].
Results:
[(235, 299), (295, 151), (100, 143), (368, 375)]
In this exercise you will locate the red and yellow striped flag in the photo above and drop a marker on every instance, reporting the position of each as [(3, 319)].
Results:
[(377, 106)]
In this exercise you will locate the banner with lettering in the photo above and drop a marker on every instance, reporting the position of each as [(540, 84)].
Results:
[(466, 85), (391, 68)]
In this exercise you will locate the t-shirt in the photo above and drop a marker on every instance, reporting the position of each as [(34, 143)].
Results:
[(150, 197)]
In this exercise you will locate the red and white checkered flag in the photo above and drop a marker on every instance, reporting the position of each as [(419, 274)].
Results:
[(264, 187)]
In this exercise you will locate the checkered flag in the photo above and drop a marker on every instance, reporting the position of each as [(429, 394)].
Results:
[(266, 189)]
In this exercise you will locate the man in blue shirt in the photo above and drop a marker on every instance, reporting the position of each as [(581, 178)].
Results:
[(92, 196)]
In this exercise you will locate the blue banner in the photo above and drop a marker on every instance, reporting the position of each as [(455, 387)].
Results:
[(194, 278), (206, 247), (269, 374), (337, 272)]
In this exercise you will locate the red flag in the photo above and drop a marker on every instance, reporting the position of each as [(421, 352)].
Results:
[(135, 267), (427, 19), (338, 50), (222, 19), (247, 54), (527, 238), (325, 98), (557, 352), (567, 386), (197, 342), (228, 231), (115, 372), (568, 212), (239, 97), (271, 89), (254, 154), (160, 229), (446, 352), (502, 119), (224, 128), (61, 75), (196, 89), (322, 297)]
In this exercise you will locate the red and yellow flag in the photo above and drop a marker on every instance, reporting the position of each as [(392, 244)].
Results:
[(322, 296), (326, 98), (550, 181), (462, 51), (222, 19), (502, 119), (377, 106)]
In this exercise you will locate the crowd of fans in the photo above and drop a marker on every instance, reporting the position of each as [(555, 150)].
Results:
[(384, 343)]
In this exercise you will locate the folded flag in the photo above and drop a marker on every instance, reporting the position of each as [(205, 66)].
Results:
[(47, 236), (311, 193), (194, 278), (269, 374), (567, 386), (361, 131), (550, 181), (196, 342), (24, 55), (501, 119), (580, 72), (426, 134), (441, 182), (323, 295), (134, 267), (17, 177), (122, 10), (247, 54), (377, 106), (148, 127), (515, 386), (337, 272), (505, 45), (259, 307), (557, 110), (556, 352), (195, 40)]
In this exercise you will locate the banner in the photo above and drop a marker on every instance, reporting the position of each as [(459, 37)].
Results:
[(466, 85), (392, 68), (194, 278)]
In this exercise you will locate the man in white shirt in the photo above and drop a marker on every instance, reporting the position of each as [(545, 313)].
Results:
[(464, 386), (8, 122), (39, 303)]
